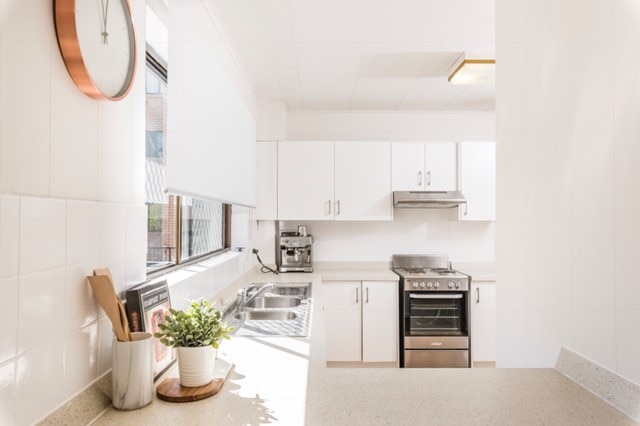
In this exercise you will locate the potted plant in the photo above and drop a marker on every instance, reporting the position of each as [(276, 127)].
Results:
[(195, 334)]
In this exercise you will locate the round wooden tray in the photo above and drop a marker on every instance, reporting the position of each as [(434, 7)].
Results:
[(171, 390)]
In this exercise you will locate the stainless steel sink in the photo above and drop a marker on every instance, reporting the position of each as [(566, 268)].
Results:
[(256, 315), (274, 302), (283, 310)]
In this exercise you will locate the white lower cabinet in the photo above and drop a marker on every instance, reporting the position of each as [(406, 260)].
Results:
[(361, 320), (483, 321)]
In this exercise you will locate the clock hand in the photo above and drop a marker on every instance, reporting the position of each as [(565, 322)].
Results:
[(105, 16)]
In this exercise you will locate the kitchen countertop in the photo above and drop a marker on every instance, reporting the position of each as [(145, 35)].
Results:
[(283, 380)]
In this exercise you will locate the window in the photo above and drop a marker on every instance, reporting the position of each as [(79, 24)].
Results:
[(179, 229)]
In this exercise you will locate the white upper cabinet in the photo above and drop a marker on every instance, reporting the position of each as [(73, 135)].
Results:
[(478, 180), (363, 181), (334, 181), (424, 166), (267, 180), (305, 180)]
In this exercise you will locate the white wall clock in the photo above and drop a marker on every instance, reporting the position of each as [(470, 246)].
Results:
[(98, 44)]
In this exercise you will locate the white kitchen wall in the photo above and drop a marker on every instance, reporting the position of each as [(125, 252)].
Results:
[(72, 197), (568, 97), (71, 200), (412, 231)]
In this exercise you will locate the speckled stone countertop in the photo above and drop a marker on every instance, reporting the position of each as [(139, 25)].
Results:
[(283, 380)]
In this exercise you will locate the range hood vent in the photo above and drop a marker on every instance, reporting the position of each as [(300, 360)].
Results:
[(427, 199)]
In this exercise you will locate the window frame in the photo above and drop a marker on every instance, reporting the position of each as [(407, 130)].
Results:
[(157, 68)]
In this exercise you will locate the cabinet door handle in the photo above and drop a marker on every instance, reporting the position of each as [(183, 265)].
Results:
[(329, 202), (366, 295), (357, 300), (338, 207), (419, 178), (478, 295), (429, 178), (465, 209)]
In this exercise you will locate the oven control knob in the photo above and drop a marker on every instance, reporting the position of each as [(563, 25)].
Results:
[(414, 285), (436, 285), (450, 284), (421, 285), (429, 285), (457, 285)]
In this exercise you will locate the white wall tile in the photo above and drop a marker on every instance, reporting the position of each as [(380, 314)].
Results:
[(114, 166), (9, 290), (24, 165), (29, 23), (39, 374), (511, 255), (511, 181), (9, 336), (626, 20), (25, 107), (628, 345), (83, 211), (548, 274), (38, 208), (592, 21), (548, 21), (44, 290), (627, 175), (549, 176), (112, 238), (592, 260), (592, 88), (592, 176), (83, 241), (80, 359), (9, 244), (138, 171), (8, 411), (38, 326), (80, 303), (105, 342), (8, 386), (511, 20), (115, 116), (594, 336), (626, 86), (9, 207), (74, 165), (547, 331), (551, 97), (42, 245), (627, 253), (512, 87), (71, 110), (511, 339)]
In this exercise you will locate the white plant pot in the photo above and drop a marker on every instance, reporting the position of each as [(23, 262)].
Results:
[(196, 365)]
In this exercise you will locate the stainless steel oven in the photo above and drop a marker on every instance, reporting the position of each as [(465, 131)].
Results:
[(434, 312)]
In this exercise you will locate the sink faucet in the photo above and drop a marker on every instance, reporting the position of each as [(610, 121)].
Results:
[(243, 294)]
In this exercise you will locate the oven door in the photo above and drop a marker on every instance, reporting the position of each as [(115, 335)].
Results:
[(435, 314)]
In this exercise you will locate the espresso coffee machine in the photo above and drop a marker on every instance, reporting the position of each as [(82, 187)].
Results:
[(294, 251)]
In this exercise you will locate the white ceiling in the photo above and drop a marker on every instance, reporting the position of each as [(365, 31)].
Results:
[(359, 54)]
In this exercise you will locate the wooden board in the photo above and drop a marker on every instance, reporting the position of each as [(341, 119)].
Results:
[(171, 390)]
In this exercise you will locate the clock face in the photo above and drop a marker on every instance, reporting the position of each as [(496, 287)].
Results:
[(97, 41)]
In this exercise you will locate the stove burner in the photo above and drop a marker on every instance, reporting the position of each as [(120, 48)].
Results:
[(416, 270)]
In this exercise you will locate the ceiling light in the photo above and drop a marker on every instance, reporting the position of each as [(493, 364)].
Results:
[(473, 71)]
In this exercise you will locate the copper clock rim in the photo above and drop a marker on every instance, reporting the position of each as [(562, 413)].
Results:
[(67, 35)]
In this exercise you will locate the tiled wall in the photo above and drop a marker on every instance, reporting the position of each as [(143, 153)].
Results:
[(55, 339), (568, 98), (71, 200)]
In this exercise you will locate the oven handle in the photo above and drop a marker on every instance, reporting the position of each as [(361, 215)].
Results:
[(435, 296)]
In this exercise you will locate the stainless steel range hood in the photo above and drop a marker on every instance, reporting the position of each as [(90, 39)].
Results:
[(427, 199)]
